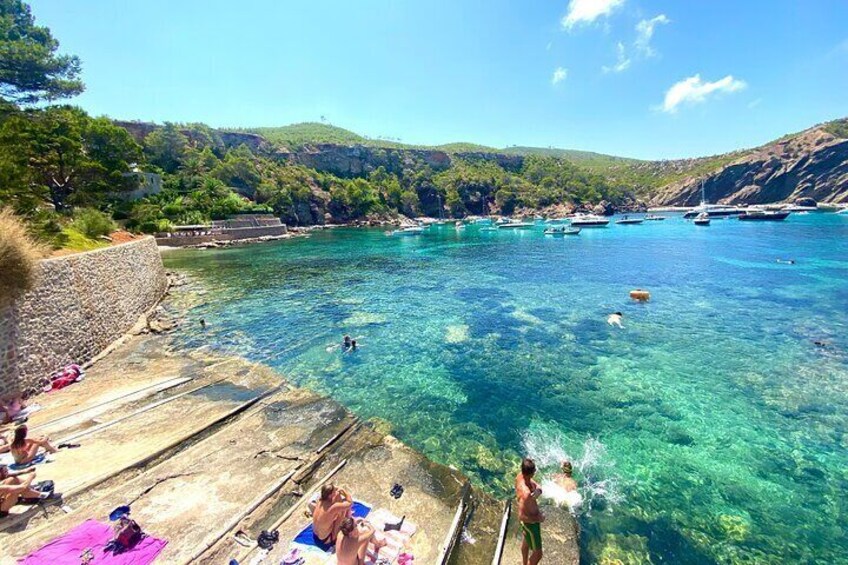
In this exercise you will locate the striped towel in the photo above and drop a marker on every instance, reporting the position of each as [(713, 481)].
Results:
[(396, 540)]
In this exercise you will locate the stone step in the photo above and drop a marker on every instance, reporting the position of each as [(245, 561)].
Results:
[(134, 439), (190, 498)]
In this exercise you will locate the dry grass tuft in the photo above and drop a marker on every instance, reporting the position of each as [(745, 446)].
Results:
[(19, 256)]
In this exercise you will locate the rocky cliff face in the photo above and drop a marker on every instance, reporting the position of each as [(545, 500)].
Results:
[(812, 164), (355, 160)]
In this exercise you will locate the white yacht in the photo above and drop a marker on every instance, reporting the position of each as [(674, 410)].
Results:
[(712, 210), (589, 221)]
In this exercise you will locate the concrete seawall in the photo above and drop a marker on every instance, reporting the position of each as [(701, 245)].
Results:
[(81, 304)]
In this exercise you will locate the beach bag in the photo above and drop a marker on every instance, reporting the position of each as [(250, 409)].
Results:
[(127, 534)]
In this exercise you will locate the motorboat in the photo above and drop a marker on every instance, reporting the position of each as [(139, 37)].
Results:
[(764, 215), (562, 230), (412, 230), (626, 220), (515, 225), (589, 221), (702, 219), (654, 218), (712, 210)]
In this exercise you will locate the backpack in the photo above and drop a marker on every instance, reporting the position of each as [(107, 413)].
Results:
[(127, 534)]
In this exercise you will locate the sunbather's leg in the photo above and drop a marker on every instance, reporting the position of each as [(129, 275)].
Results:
[(44, 442)]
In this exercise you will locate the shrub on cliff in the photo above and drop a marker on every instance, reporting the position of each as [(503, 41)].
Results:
[(19, 255)]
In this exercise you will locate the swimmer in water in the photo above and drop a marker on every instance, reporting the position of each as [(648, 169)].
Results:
[(614, 319), (786, 261), (565, 480), (352, 345), (203, 323), (346, 342)]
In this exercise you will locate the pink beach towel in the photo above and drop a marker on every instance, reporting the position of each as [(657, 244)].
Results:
[(396, 541), (93, 535)]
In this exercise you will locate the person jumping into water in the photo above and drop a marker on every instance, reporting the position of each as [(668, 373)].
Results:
[(527, 491), (565, 479), (614, 319)]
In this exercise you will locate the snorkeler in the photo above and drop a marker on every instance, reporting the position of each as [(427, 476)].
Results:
[(614, 319)]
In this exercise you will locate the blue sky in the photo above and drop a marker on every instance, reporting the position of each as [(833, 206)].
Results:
[(641, 78)]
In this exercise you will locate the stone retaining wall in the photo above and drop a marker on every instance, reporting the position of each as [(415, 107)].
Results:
[(81, 304), (226, 235)]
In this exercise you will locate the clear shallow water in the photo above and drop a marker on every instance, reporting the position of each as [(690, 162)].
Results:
[(710, 430)]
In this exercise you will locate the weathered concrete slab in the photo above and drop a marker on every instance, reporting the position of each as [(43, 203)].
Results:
[(190, 498), (115, 445), (375, 462), (560, 542), (140, 369)]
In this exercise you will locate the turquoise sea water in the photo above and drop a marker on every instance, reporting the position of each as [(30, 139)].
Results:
[(709, 430)]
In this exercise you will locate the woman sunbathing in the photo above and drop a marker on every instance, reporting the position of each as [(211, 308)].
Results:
[(353, 539), (16, 486), (25, 449), (10, 408)]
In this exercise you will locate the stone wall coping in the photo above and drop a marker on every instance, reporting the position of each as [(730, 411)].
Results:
[(94, 251)]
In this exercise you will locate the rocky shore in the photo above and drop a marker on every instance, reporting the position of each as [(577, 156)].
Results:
[(180, 433)]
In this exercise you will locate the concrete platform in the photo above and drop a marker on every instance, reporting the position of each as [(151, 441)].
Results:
[(559, 538), (203, 446)]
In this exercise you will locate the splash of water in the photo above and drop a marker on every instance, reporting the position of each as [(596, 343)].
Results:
[(594, 470)]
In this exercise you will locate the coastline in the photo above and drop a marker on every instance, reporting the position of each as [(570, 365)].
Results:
[(296, 439)]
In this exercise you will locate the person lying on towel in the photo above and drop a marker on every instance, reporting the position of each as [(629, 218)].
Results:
[(353, 539), (333, 507)]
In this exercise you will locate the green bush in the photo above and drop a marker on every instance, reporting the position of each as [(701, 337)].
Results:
[(93, 223)]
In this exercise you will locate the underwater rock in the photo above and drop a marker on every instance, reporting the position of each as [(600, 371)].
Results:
[(621, 549)]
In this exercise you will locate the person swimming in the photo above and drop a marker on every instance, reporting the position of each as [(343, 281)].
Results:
[(786, 261), (615, 318), (566, 481), (347, 342)]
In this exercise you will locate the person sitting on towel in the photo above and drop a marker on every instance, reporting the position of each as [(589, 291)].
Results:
[(14, 487), (333, 507), (353, 539), (25, 449)]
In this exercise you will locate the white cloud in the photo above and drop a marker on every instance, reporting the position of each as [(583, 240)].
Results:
[(559, 75), (693, 90), (645, 31), (587, 11), (622, 61)]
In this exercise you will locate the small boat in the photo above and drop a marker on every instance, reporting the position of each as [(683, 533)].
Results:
[(515, 226), (413, 230), (589, 221), (702, 219), (764, 215), (627, 221), (562, 230), (654, 218)]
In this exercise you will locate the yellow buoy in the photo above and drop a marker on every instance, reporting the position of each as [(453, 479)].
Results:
[(640, 295)]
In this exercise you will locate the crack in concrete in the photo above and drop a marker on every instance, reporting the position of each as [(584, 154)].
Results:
[(158, 482)]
